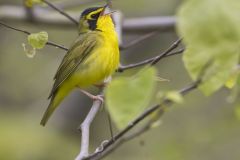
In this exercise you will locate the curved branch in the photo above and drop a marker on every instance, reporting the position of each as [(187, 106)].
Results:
[(172, 47), (154, 60), (28, 33), (73, 3), (147, 61), (129, 137), (85, 126), (61, 11), (15, 29), (137, 41), (110, 143)]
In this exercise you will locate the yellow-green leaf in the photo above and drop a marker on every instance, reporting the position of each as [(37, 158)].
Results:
[(38, 40), (223, 61), (128, 97), (211, 34)]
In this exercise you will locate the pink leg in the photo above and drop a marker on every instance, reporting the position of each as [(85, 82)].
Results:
[(93, 97)]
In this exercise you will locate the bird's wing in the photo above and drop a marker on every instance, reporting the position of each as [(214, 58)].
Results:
[(73, 58)]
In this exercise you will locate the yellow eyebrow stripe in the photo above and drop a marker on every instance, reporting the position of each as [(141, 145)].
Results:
[(93, 12)]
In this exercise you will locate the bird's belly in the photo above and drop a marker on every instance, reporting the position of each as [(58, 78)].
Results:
[(97, 67)]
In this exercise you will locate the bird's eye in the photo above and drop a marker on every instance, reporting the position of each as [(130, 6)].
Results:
[(94, 16)]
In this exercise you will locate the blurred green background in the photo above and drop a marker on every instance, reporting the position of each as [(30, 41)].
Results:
[(201, 128)]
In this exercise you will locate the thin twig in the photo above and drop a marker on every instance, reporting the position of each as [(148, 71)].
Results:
[(85, 126), (121, 141), (109, 3), (110, 124), (61, 11), (149, 111), (148, 61), (13, 28), (138, 40), (73, 3), (28, 33), (57, 45), (171, 48), (130, 136)]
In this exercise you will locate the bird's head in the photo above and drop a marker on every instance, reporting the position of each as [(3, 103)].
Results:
[(95, 18)]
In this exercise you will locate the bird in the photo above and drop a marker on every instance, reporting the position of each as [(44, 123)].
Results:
[(93, 57)]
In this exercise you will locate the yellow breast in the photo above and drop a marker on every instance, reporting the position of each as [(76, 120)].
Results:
[(105, 57)]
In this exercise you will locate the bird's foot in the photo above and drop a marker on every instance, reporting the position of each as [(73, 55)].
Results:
[(93, 97), (98, 97)]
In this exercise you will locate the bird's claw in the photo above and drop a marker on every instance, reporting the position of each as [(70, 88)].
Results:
[(98, 97)]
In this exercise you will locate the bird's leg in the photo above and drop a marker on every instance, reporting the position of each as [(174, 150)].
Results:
[(93, 97)]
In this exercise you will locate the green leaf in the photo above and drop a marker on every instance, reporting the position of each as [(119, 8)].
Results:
[(30, 3), (174, 96), (38, 40), (211, 34), (223, 61), (127, 97)]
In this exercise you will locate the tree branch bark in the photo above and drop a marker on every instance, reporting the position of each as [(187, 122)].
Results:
[(59, 10), (154, 60), (73, 3), (85, 126), (119, 139), (147, 61), (138, 40), (28, 33)]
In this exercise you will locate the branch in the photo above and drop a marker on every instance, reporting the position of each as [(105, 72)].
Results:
[(109, 144), (61, 11), (85, 129), (57, 45), (130, 25), (73, 3), (156, 59), (13, 28), (129, 137), (172, 47), (147, 61), (138, 40), (85, 126), (28, 33)]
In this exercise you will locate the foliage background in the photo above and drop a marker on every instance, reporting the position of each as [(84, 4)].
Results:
[(201, 128)]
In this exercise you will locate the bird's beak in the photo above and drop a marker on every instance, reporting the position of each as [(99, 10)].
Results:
[(106, 10)]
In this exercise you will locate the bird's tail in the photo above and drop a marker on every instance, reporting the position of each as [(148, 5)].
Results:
[(55, 101), (48, 113)]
